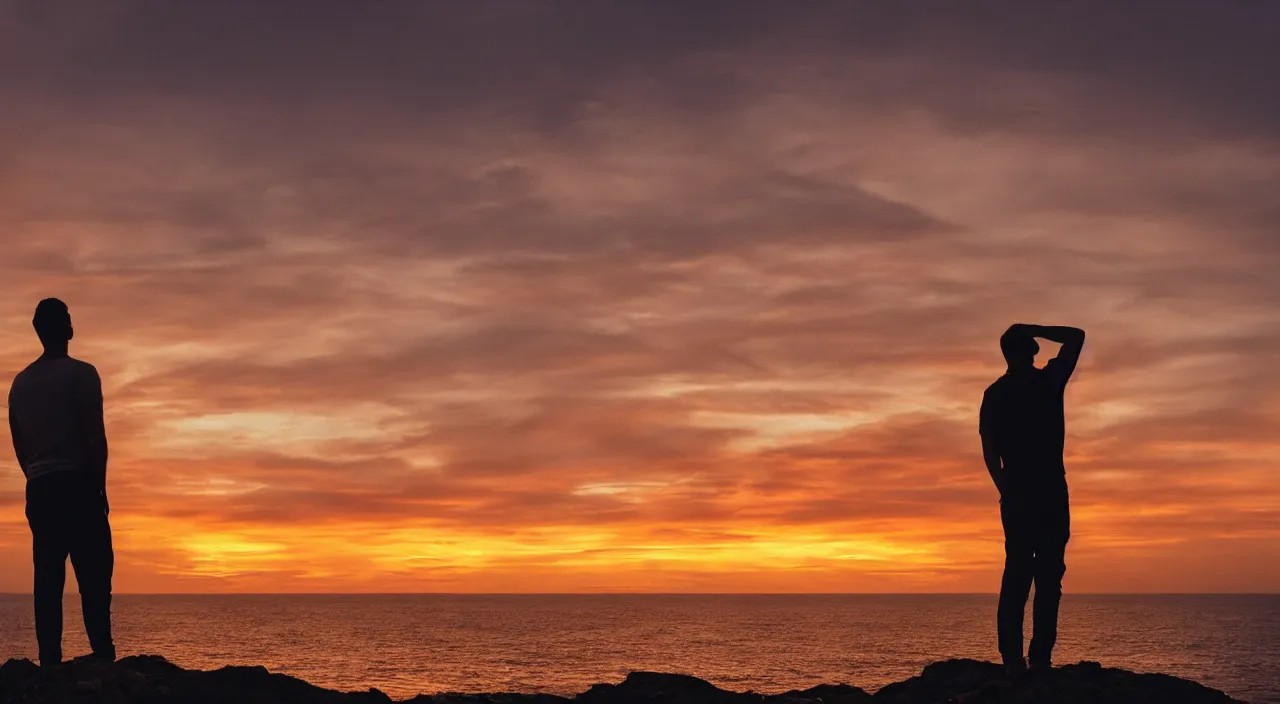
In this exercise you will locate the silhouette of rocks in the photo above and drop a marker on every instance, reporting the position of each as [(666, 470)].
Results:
[(974, 682), (659, 688), (149, 679)]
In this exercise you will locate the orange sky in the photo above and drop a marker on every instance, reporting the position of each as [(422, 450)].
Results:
[(423, 298)]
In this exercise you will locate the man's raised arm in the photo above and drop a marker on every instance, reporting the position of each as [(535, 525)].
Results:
[(1072, 341)]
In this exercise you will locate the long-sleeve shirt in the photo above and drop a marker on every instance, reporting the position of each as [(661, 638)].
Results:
[(55, 416), (1022, 416)]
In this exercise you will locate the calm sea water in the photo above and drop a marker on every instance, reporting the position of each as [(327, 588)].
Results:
[(406, 644)]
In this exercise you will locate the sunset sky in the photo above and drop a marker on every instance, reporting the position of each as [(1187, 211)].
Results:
[(623, 296)]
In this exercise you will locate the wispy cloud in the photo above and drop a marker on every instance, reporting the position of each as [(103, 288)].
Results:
[(484, 299)]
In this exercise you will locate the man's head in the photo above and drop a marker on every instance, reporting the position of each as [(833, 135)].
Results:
[(1019, 347), (52, 322)]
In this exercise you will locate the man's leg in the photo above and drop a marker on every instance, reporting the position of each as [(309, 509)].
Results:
[(94, 561), (1050, 566), (1016, 583), (49, 556)]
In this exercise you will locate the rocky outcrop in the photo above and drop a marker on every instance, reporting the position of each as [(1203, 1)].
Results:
[(974, 682), (148, 679)]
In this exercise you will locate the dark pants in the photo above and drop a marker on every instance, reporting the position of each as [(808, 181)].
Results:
[(1037, 525), (68, 517)]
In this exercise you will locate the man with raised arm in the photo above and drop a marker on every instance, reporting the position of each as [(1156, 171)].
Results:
[(1023, 433), (55, 417)]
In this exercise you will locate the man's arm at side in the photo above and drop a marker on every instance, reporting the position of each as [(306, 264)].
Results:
[(991, 455), (19, 446), (1072, 341), (95, 428), (990, 450)]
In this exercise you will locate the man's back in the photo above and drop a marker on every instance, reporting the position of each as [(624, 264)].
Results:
[(50, 407), (1022, 413)]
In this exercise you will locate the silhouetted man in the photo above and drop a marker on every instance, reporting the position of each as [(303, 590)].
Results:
[(55, 416), (1023, 432)]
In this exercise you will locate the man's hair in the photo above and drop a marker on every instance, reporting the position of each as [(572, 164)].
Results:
[(52, 320), (1017, 345)]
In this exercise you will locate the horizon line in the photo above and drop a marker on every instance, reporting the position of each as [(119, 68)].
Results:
[(516, 594)]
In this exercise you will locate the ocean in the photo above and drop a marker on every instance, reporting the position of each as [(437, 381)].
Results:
[(406, 644)]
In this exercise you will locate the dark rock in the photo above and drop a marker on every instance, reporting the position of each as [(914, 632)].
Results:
[(828, 694), (941, 681), (148, 679), (974, 682), (14, 673), (659, 688)]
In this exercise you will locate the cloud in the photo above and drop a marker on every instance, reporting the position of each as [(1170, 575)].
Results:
[(642, 297)]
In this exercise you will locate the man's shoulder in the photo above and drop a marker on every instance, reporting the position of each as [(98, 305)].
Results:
[(994, 399), (21, 378), (1053, 375), (53, 368), (994, 407), (85, 374), (995, 387), (82, 367)]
